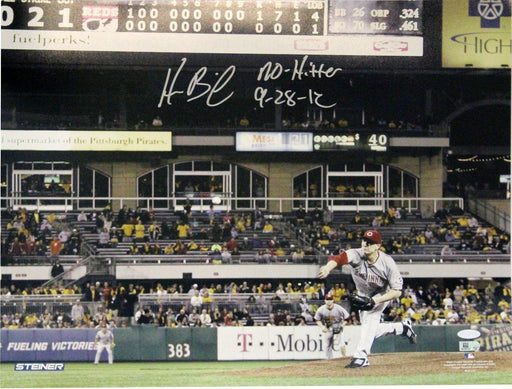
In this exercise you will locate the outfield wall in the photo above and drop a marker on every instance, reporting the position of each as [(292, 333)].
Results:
[(149, 343)]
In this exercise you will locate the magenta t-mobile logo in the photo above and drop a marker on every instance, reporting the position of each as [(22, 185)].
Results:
[(245, 342)]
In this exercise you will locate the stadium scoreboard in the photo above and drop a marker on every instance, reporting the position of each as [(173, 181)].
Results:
[(316, 27), (300, 17), (347, 142)]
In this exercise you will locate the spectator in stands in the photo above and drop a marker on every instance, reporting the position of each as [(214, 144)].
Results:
[(305, 310), (146, 316), (232, 244), (127, 228), (446, 250), (64, 236), (91, 294), (115, 236), (473, 222), (82, 217), (30, 244), (154, 231), (257, 242), (157, 121), (140, 231), (147, 248), (192, 245), (134, 248), (77, 313), (205, 318), (260, 257), (57, 269), (327, 216), (104, 239), (297, 254), (56, 246), (440, 215), (316, 215), (357, 219), (16, 247), (447, 301), (196, 300), (183, 230), (268, 228), (235, 256), (74, 243), (300, 215), (226, 256), (182, 318), (450, 235), (45, 225), (180, 248)]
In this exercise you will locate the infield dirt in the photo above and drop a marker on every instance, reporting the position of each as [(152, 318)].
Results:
[(394, 364)]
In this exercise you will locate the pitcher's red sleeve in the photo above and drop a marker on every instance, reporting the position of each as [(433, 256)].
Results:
[(340, 259)]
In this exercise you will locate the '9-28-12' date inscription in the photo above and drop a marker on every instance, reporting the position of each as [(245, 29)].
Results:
[(217, 92)]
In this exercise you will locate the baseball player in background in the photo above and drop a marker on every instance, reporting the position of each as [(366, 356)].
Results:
[(104, 340), (378, 281), (330, 318)]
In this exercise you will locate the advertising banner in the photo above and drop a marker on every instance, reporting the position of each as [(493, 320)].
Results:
[(274, 141), (280, 343), (87, 140), (37, 345), (476, 34)]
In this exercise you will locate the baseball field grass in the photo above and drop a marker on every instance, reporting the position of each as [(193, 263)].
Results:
[(386, 369)]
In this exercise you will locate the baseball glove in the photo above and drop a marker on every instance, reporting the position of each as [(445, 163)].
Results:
[(337, 328), (361, 303)]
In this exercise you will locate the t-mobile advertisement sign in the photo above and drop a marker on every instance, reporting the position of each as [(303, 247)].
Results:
[(299, 342)]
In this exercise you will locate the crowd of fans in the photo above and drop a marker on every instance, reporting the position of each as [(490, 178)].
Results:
[(448, 226), (292, 303), (29, 233), (32, 234)]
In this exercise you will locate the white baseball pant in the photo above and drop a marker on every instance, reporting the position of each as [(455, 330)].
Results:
[(372, 328), (100, 347)]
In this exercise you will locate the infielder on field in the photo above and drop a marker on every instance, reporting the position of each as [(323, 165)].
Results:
[(104, 340), (330, 318), (377, 281)]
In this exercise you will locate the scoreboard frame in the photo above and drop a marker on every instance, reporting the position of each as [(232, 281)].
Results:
[(289, 27)]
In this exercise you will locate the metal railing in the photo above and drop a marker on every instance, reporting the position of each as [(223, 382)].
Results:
[(490, 213), (228, 202)]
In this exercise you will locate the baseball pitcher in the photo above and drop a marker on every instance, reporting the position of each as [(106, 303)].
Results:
[(330, 317), (377, 281)]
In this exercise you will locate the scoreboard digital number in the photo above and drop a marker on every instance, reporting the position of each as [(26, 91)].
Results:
[(288, 27), (347, 142), (183, 16), (381, 17)]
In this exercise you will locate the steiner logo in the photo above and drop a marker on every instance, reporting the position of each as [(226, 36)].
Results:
[(489, 11), (39, 367)]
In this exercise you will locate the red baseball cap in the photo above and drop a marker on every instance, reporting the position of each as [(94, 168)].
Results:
[(373, 235), (329, 297)]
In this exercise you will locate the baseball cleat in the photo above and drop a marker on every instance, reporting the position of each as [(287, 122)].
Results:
[(408, 331), (358, 362)]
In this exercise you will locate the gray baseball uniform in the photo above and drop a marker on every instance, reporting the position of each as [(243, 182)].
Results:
[(104, 340), (332, 318), (372, 280)]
